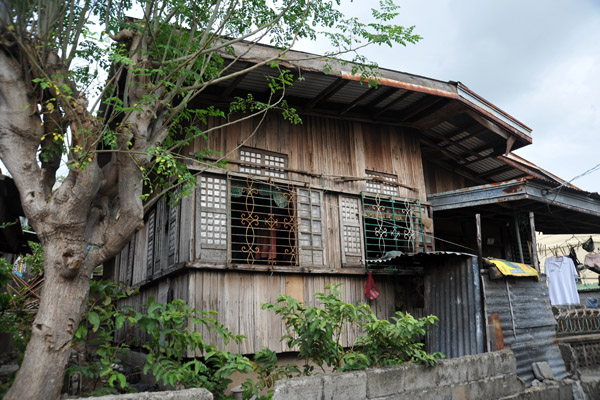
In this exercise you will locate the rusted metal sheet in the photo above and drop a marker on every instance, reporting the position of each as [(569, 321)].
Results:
[(452, 293), (494, 323), (403, 85), (528, 326)]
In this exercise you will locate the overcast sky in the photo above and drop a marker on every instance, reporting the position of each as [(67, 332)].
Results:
[(538, 60)]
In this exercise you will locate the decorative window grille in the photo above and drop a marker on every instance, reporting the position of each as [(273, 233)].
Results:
[(262, 162), (274, 224), (392, 225), (377, 186)]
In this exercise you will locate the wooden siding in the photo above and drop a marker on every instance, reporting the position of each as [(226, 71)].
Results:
[(335, 155), (238, 296), (163, 291), (438, 179), (331, 149)]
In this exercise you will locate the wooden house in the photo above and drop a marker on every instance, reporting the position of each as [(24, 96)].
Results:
[(352, 188)]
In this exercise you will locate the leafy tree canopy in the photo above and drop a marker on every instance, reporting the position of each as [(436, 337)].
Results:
[(105, 86)]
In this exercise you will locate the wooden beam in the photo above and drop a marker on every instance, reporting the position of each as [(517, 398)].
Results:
[(471, 152), (455, 168), (393, 103), (534, 256), (450, 109), (236, 81), (305, 270), (358, 100), (518, 234), (479, 240), (461, 130), (488, 124), (387, 93), (329, 91), (421, 105)]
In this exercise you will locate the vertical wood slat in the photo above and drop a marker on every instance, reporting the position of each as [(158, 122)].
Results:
[(130, 259), (230, 306), (151, 243), (237, 296), (158, 235), (332, 147), (261, 317), (191, 301), (247, 318), (173, 229), (186, 228), (139, 266)]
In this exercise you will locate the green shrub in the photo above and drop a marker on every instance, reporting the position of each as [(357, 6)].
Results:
[(317, 333), (166, 337)]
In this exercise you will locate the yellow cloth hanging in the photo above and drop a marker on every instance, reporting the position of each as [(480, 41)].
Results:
[(514, 269)]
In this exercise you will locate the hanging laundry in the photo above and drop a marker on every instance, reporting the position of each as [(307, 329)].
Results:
[(573, 256), (592, 262), (588, 245), (266, 239), (562, 276)]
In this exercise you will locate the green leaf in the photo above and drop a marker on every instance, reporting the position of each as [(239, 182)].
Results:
[(153, 307), (119, 321), (94, 319), (81, 331), (122, 380)]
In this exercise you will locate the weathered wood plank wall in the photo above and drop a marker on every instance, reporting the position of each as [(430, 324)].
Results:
[(238, 297), (332, 148), (438, 179), (334, 152)]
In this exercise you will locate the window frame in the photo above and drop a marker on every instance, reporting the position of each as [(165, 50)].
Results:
[(382, 188), (293, 222), (385, 226), (262, 168)]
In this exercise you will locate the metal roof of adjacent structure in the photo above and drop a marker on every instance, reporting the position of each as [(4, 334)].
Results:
[(558, 209)]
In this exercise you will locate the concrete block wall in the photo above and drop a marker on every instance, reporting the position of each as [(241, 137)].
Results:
[(483, 376), (188, 394)]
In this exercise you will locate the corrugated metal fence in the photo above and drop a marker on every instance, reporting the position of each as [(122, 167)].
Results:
[(452, 293), (528, 326)]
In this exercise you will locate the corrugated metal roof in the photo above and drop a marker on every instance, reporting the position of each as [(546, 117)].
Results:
[(506, 176), (439, 110), (349, 93), (528, 325), (485, 165), (443, 128), (398, 255)]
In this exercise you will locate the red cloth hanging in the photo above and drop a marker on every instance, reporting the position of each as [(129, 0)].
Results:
[(371, 291)]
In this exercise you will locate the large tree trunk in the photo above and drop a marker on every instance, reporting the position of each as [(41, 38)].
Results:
[(61, 308)]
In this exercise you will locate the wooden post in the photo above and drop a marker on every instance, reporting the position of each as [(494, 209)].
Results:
[(518, 231), (534, 255), (479, 241)]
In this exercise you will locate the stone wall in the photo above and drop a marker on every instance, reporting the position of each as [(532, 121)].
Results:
[(483, 376)]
